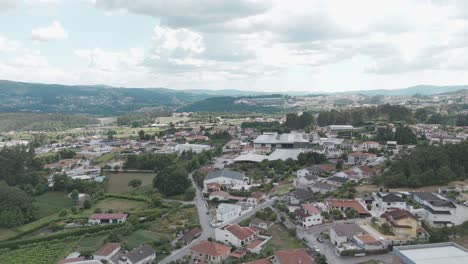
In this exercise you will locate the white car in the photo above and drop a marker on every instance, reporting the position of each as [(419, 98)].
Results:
[(316, 249)]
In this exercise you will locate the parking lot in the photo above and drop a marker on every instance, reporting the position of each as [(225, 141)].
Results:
[(309, 236)]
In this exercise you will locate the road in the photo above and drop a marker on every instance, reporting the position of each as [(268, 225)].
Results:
[(205, 223)]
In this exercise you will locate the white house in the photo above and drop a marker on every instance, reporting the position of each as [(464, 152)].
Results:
[(107, 218), (196, 148), (235, 235), (309, 215), (224, 177), (385, 201), (438, 211), (226, 212)]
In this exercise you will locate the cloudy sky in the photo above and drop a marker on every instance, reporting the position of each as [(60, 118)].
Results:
[(264, 45)]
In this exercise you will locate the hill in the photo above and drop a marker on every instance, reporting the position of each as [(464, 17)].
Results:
[(226, 104)]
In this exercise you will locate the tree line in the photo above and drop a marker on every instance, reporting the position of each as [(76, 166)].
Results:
[(426, 165)]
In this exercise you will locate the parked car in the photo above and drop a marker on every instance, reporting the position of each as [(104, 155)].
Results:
[(320, 239), (316, 249), (305, 239)]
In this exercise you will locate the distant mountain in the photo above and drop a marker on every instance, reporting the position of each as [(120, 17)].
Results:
[(225, 104), (419, 89), (89, 99)]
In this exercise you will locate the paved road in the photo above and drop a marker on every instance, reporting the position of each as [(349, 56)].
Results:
[(205, 223), (328, 249)]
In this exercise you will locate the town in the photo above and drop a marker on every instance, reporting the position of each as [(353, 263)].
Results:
[(197, 188)]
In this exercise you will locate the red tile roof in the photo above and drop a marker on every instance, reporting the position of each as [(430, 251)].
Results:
[(211, 248), (107, 248), (240, 232), (348, 204), (293, 256), (254, 244), (260, 261), (367, 239), (311, 209), (108, 216)]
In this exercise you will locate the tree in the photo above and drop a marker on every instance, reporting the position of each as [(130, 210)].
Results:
[(135, 183), (156, 201), (86, 204), (141, 134), (172, 181), (16, 206), (74, 196)]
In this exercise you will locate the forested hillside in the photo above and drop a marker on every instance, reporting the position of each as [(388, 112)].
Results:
[(43, 122), (225, 104), (100, 100), (427, 165)]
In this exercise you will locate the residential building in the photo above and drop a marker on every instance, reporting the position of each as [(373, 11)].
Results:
[(336, 181), (299, 196), (309, 215), (116, 218), (385, 201), (190, 235), (224, 177), (226, 212), (438, 210), (260, 223), (196, 148), (235, 235), (107, 251), (430, 254), (402, 223), (344, 233), (209, 252), (360, 158), (144, 254), (322, 187), (345, 204)]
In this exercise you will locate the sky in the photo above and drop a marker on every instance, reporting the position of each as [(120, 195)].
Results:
[(261, 45)]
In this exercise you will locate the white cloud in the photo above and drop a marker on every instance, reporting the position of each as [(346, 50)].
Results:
[(53, 32), (7, 4), (7, 45)]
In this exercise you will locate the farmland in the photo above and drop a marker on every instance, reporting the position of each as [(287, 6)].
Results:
[(118, 182), (121, 205), (40, 253), (282, 239), (51, 203)]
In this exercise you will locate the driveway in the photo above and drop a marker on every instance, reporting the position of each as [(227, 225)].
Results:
[(327, 249)]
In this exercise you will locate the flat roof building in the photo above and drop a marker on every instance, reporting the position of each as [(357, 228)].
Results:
[(439, 253)]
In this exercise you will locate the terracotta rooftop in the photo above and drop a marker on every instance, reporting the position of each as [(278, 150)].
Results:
[(211, 248), (348, 204), (293, 256), (108, 216), (311, 209), (240, 232), (107, 248), (367, 239), (71, 260), (260, 261)]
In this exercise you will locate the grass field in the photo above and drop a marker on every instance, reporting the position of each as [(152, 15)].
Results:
[(118, 182), (41, 253), (92, 242), (6, 233), (281, 239), (283, 189), (119, 205), (51, 203), (140, 236), (184, 217), (105, 158)]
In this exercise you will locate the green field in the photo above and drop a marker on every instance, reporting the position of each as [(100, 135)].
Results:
[(6, 233), (118, 182), (140, 236), (92, 242), (41, 253), (119, 205), (51, 203), (282, 239), (105, 158)]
